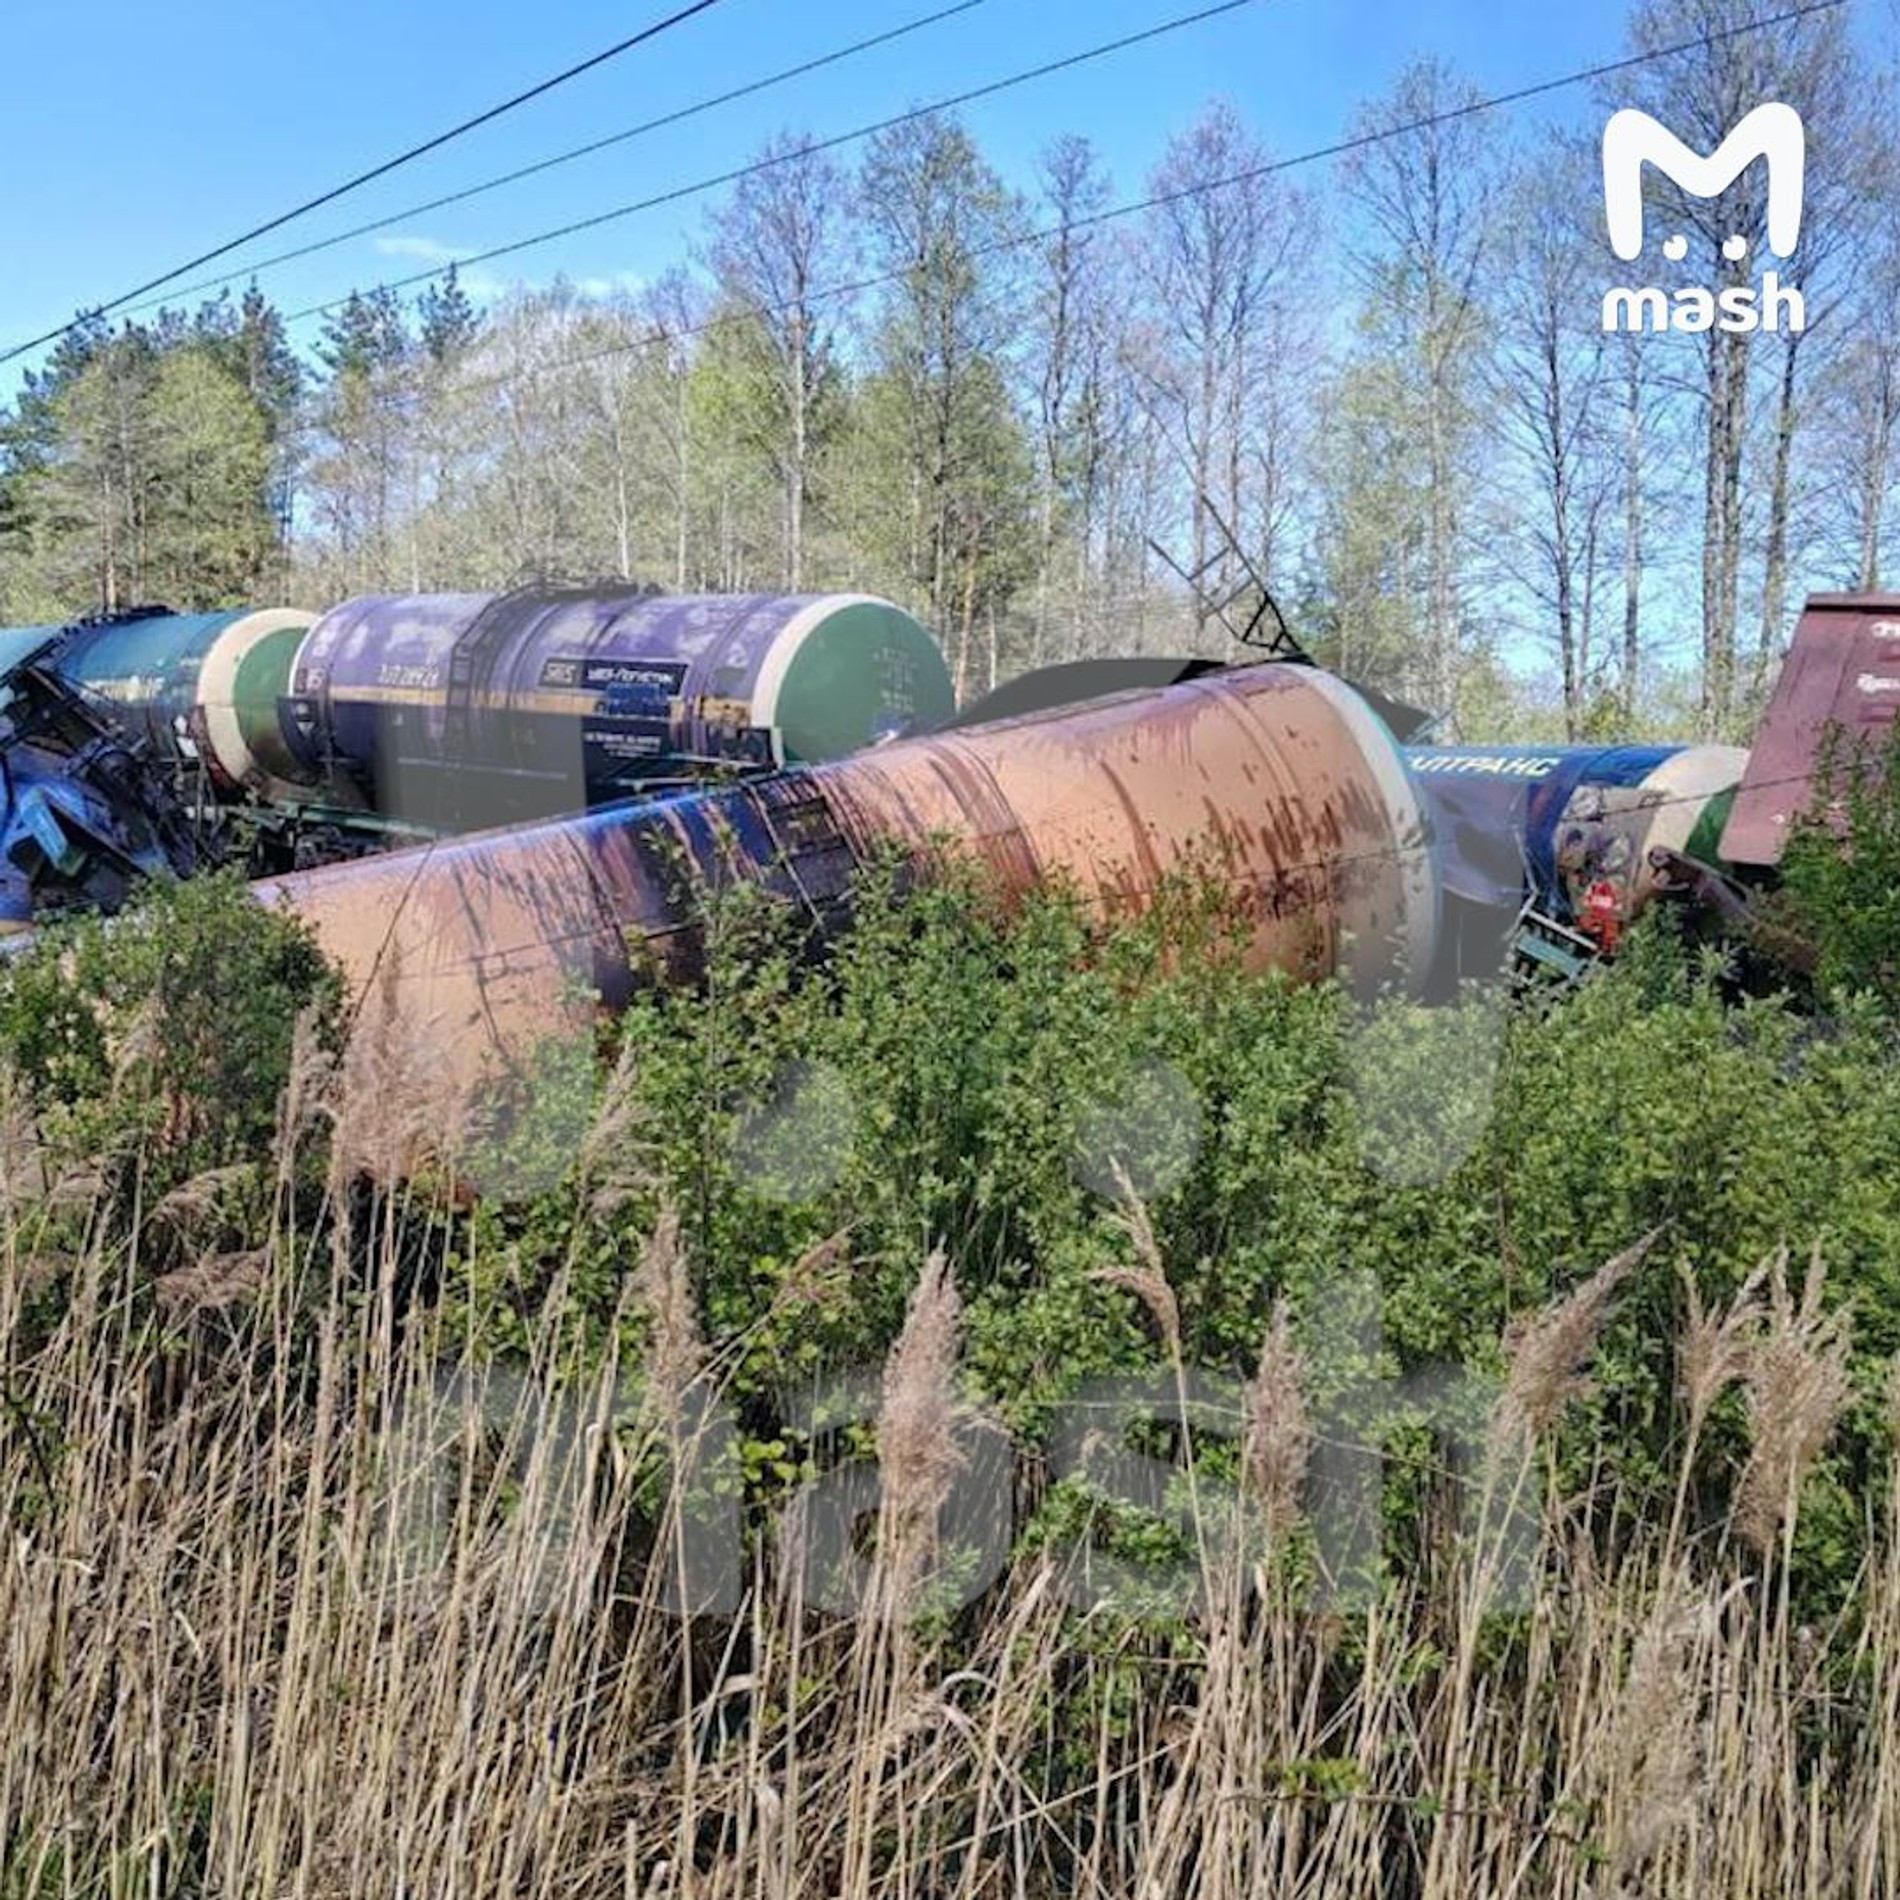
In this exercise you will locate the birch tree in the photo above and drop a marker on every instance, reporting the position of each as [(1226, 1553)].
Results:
[(1067, 367), (784, 237), (1702, 93), (1225, 254), (1425, 193), (1551, 389), (1864, 408)]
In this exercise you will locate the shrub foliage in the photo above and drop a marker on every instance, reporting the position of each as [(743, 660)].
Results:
[(985, 1163)]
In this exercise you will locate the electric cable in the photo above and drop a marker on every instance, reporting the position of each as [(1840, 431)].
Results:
[(388, 165), (1154, 201), (1101, 50), (566, 157)]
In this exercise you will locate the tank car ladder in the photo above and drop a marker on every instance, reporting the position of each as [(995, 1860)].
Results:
[(1546, 953), (818, 863), (469, 660)]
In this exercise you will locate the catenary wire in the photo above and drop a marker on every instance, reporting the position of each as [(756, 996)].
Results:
[(1154, 201), (483, 186), (388, 165), (1015, 241), (1338, 148), (1100, 50)]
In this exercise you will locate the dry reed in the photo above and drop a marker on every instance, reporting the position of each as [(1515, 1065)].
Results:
[(255, 1640)]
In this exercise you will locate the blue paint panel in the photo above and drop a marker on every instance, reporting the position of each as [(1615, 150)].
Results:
[(1496, 810), (1479, 828), (610, 676)]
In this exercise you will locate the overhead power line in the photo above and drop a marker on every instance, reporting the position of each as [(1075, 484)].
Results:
[(1339, 148), (388, 165), (1101, 50), (567, 157)]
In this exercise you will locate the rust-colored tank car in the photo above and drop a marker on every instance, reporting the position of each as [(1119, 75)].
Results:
[(1278, 778)]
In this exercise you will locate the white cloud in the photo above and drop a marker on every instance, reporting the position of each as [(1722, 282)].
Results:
[(433, 254), (619, 282), (425, 250)]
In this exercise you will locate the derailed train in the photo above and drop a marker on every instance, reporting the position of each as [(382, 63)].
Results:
[(579, 761), (1570, 843), (392, 719), (1279, 779)]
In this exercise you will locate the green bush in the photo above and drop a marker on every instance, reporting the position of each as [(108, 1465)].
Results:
[(957, 1062), (958, 1073), (160, 1041), (1842, 878)]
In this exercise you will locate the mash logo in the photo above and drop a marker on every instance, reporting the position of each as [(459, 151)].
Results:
[(1632, 140)]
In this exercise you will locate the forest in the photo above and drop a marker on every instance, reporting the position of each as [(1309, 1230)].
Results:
[(1379, 387)]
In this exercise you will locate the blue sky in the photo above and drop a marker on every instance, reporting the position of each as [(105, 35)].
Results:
[(158, 131)]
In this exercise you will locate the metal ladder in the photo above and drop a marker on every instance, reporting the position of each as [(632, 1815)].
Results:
[(817, 862), (1545, 952), (469, 661)]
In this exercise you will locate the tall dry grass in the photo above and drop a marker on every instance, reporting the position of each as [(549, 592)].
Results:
[(294, 1601)]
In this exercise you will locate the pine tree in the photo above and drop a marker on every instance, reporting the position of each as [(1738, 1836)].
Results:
[(940, 221), (446, 321), (250, 343), (362, 423), (210, 529)]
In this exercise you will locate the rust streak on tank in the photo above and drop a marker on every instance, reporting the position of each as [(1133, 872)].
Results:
[(1270, 777)]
